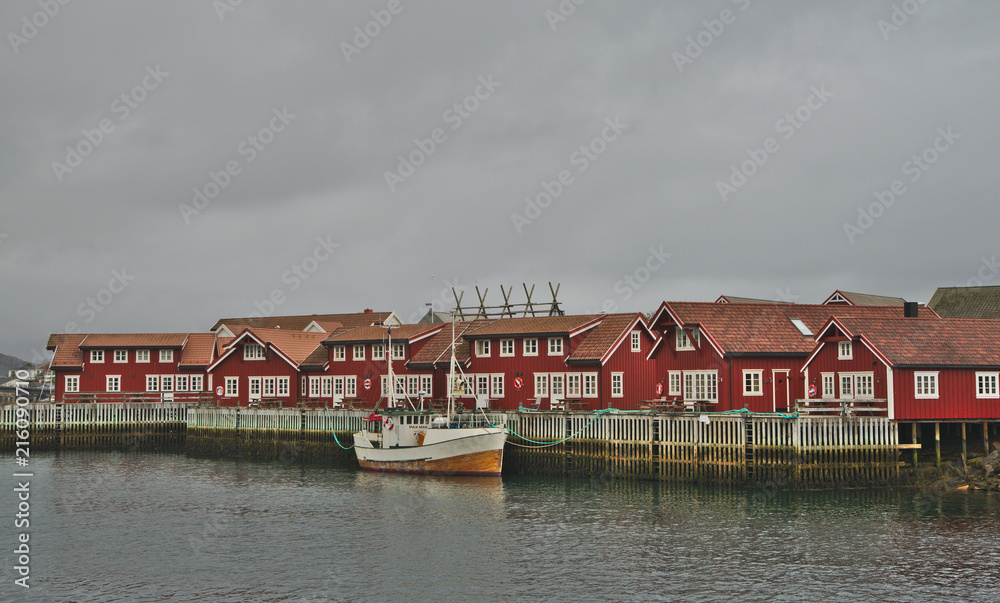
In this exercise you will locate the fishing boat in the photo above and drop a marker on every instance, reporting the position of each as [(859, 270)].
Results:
[(405, 438)]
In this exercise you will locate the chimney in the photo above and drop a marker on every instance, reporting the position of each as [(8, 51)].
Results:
[(911, 309), (369, 311)]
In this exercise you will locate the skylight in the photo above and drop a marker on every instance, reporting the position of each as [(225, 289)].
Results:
[(801, 326)]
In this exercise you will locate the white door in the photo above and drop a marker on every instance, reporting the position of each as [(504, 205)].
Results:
[(557, 391)]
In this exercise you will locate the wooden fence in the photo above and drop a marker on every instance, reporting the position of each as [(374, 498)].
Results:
[(99, 426)]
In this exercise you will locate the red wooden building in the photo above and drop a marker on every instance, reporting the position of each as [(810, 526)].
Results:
[(742, 355), (918, 369), (129, 367)]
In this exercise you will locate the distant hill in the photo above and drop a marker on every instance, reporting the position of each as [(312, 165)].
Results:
[(9, 363)]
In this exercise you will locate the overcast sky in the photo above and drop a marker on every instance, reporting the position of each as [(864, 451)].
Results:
[(165, 164)]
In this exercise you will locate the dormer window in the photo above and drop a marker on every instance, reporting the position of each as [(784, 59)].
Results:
[(687, 341)]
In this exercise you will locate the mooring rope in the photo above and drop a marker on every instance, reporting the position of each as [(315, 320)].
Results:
[(338, 441), (597, 415)]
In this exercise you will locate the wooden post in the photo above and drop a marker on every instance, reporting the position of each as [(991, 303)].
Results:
[(937, 444), (965, 451), (986, 437), (914, 441)]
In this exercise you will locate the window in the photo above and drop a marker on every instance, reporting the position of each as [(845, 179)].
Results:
[(400, 385), (555, 346), (674, 383), (167, 383), (338, 387), (267, 387), (350, 386), (326, 386), (253, 351), (482, 347), (636, 342), (844, 350), (530, 347), (497, 386), (196, 383), (986, 385), (253, 388), (541, 385), (166, 355), (282, 384), (752, 383), (412, 385), (181, 383), (385, 385), (590, 385), (121, 356), (864, 386), (616, 385), (426, 383), (72, 384), (506, 347), (152, 383), (925, 385), (114, 383), (378, 351), (97, 355), (701, 385), (340, 353), (359, 352), (482, 385), (314, 387), (142, 355), (829, 391), (846, 386), (686, 341), (232, 386), (556, 383), (397, 351), (304, 386), (801, 326), (573, 385)]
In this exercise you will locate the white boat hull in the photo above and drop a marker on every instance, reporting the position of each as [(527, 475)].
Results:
[(465, 451)]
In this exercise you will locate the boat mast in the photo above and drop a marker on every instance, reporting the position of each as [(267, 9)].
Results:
[(392, 378), (451, 372)]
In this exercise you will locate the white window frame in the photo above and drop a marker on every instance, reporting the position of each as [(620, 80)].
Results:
[(701, 386), (378, 351), (412, 385), (931, 383), (268, 387), (253, 351), (254, 388), (427, 385), (862, 382), (590, 385), (152, 383), (753, 382), (197, 383), (636, 341), (338, 388), (555, 346), (496, 385), (359, 351), (557, 386), (987, 385), (400, 385), (846, 383), (541, 385), (685, 342), (142, 356), (113, 383), (530, 346), (483, 348), (72, 384), (314, 385), (506, 347), (828, 384), (574, 385), (845, 350), (97, 356), (482, 385), (123, 354), (617, 385), (326, 387), (232, 387), (339, 353), (181, 383), (398, 351), (675, 383), (350, 386), (166, 355), (282, 386), (166, 383)]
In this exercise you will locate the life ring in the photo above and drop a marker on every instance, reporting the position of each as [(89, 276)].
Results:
[(389, 424)]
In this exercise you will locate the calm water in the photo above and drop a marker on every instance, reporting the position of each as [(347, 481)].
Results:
[(147, 527)]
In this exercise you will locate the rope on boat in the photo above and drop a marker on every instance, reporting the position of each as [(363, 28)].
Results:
[(597, 415), (338, 441)]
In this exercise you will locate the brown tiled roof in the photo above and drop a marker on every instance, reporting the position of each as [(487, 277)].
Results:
[(298, 323), (603, 337), (67, 349), (918, 342), (367, 334), (134, 340), (533, 325), (199, 350), (867, 299), (436, 350), (767, 328), (329, 325), (297, 345), (221, 343), (732, 299), (967, 302)]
